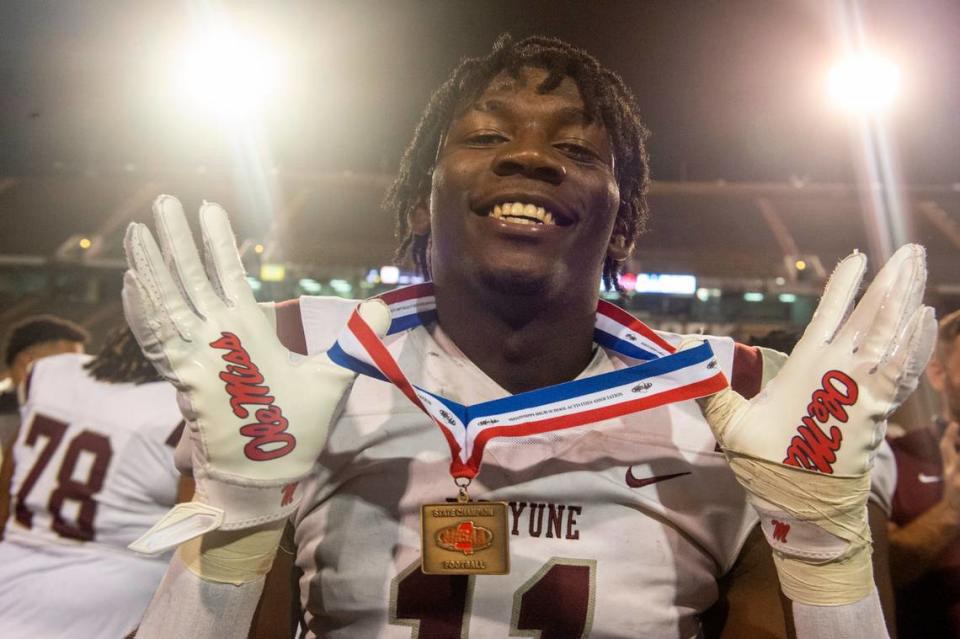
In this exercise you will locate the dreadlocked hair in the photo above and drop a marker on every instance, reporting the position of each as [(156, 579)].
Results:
[(121, 360), (605, 97)]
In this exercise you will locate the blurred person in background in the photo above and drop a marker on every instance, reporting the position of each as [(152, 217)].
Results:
[(925, 528), (778, 340), (93, 470), (29, 340)]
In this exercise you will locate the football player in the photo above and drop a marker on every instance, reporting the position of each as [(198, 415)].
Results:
[(28, 340), (93, 470), (630, 511)]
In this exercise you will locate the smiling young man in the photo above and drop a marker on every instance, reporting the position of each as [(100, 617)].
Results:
[(522, 208), (523, 188)]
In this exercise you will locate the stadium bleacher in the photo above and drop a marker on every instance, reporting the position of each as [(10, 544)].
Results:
[(735, 238)]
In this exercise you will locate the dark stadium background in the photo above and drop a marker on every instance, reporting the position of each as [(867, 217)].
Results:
[(753, 169)]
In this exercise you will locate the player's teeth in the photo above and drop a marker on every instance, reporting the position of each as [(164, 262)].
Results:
[(520, 213)]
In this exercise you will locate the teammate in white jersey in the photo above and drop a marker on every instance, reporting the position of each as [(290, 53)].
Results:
[(523, 188), (93, 470), (30, 339)]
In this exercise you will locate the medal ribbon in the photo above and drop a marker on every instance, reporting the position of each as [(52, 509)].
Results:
[(664, 376)]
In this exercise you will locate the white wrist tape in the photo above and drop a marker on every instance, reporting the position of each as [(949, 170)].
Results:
[(251, 506), (817, 527), (236, 557)]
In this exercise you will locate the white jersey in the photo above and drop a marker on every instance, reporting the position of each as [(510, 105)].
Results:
[(93, 471), (618, 529)]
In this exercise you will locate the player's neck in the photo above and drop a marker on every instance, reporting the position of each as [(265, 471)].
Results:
[(521, 342)]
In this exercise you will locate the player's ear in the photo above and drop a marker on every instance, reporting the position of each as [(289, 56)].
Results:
[(24, 360), (619, 248), (621, 242), (936, 374), (420, 218)]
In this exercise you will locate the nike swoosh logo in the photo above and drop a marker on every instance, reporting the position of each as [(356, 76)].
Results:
[(633, 482), (929, 479)]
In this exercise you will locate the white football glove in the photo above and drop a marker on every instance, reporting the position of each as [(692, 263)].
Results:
[(803, 448), (258, 414)]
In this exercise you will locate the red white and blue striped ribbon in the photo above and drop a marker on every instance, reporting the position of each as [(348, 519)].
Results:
[(663, 377)]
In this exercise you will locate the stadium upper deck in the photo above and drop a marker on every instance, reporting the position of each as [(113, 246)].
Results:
[(718, 230)]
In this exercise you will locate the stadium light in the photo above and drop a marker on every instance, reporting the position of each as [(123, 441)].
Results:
[(864, 84), (666, 283), (310, 285), (389, 274), (225, 71), (272, 272)]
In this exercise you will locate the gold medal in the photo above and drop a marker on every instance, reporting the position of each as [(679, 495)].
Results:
[(464, 537)]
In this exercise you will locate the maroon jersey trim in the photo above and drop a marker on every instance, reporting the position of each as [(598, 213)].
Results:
[(26, 384), (174, 437), (290, 326), (747, 370)]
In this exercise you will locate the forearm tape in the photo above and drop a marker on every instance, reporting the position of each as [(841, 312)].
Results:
[(835, 583), (826, 573), (233, 557)]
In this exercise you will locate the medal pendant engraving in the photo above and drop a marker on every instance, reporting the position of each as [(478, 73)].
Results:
[(464, 538)]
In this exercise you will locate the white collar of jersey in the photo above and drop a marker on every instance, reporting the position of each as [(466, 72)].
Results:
[(663, 376)]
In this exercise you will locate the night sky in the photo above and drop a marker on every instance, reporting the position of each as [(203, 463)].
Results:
[(731, 89)]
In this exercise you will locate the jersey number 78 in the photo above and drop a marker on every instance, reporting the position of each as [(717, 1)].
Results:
[(67, 487)]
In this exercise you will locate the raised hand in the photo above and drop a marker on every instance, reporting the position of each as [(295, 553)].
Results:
[(803, 448), (258, 415)]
